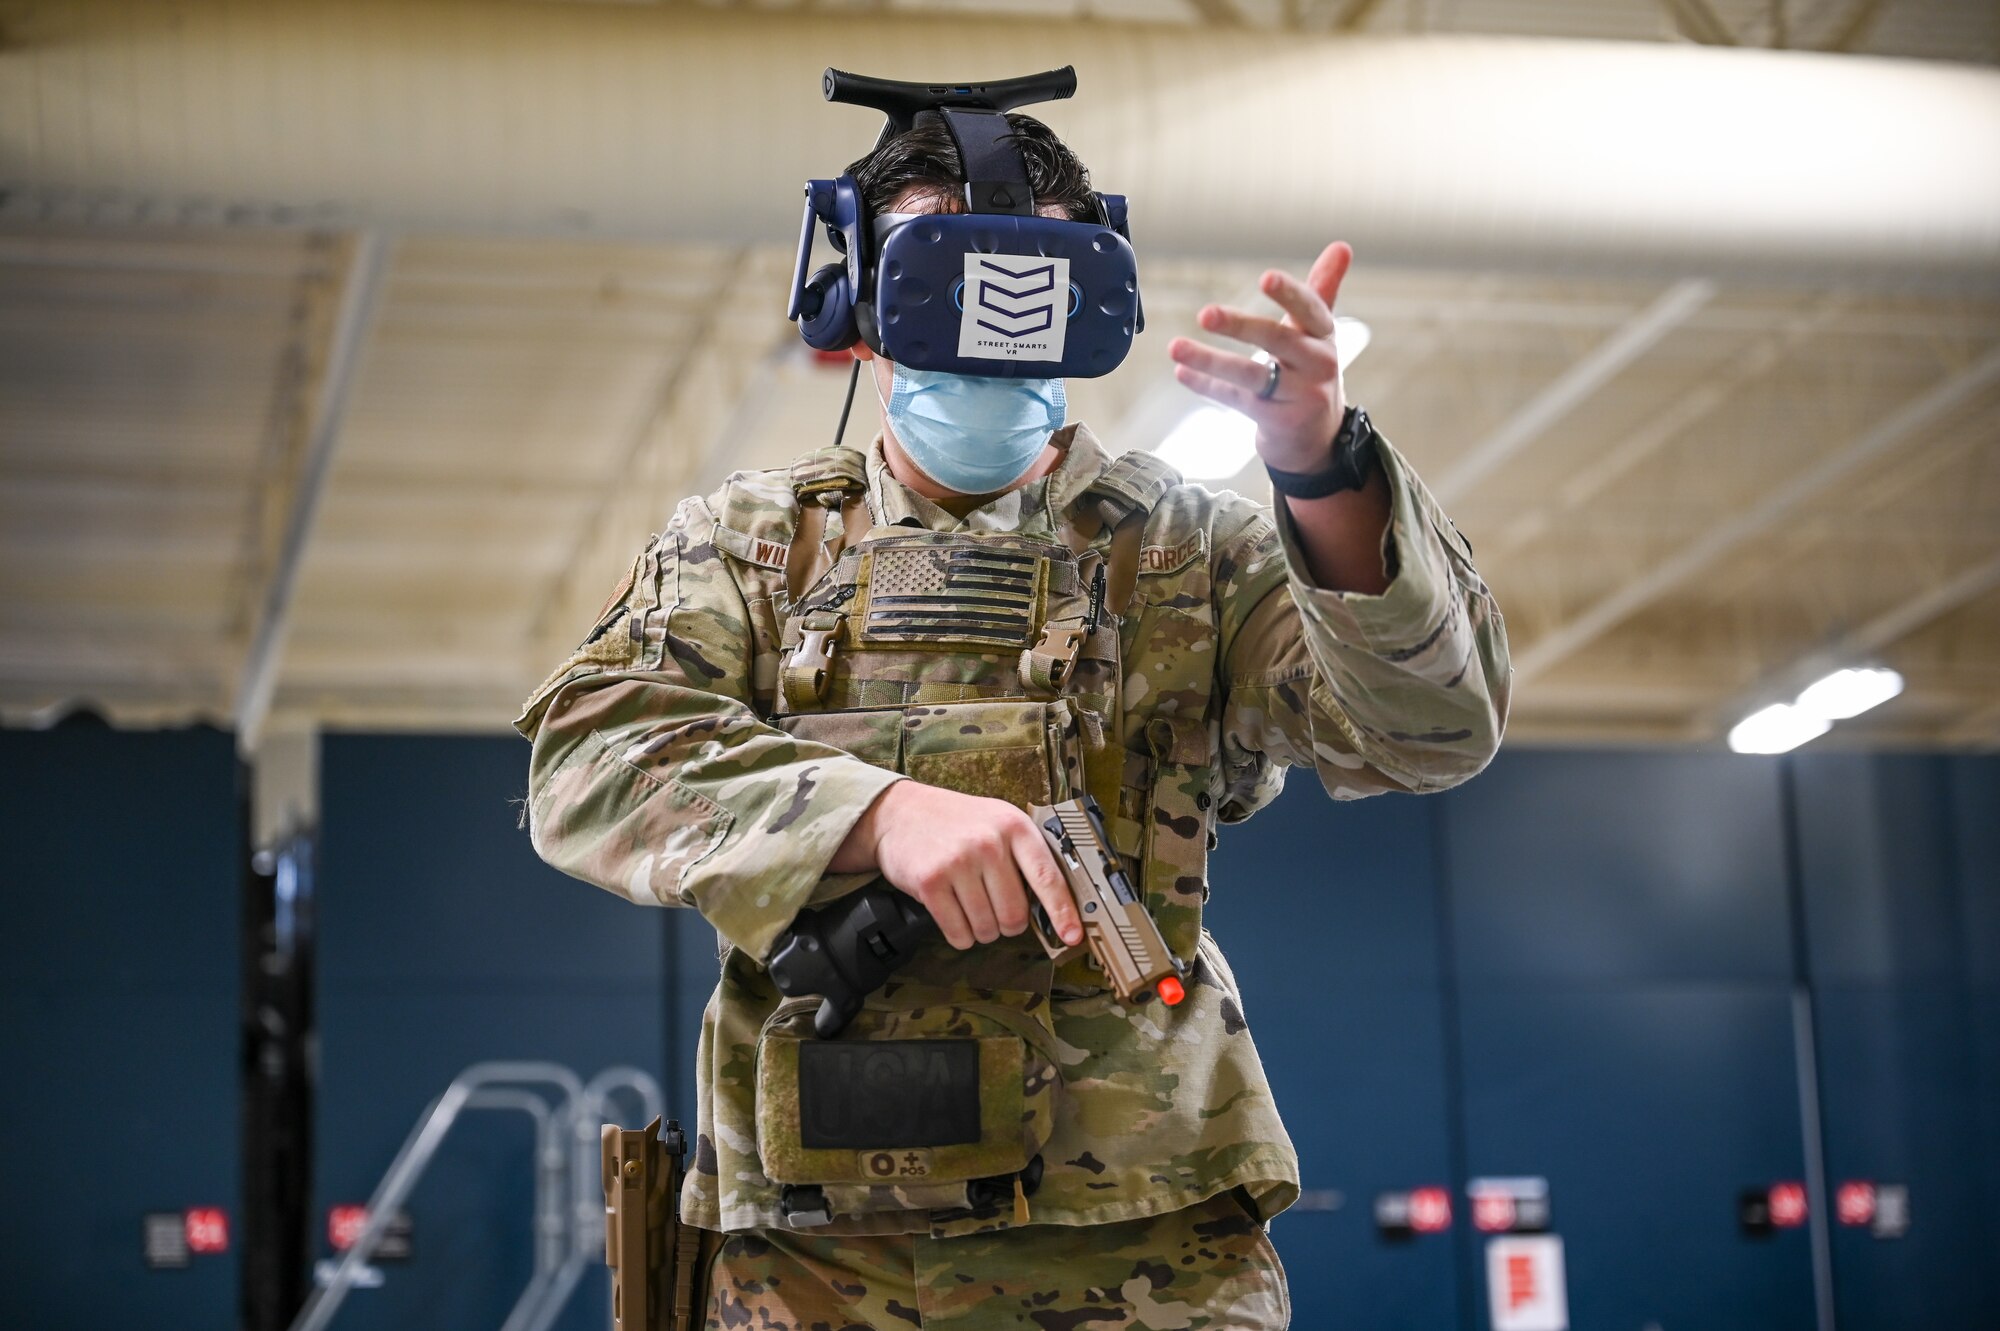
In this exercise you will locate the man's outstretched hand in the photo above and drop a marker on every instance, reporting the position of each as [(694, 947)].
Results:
[(1342, 535), (968, 860), (1296, 425)]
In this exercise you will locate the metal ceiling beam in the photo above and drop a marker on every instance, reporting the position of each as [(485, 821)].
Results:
[(1979, 727), (617, 482), (1573, 386), (1720, 540), (1710, 395), (1217, 13), (1697, 21), (1855, 30), (1355, 15), (1860, 644), (81, 252), (359, 297), (1947, 596)]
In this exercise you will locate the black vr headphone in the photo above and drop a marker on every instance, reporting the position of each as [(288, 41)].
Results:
[(994, 291)]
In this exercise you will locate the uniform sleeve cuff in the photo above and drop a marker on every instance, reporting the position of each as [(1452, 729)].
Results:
[(1415, 604), (773, 865)]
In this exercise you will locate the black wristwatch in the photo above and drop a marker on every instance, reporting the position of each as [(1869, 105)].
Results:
[(1354, 460)]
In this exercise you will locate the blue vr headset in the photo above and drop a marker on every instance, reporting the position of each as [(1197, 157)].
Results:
[(994, 291)]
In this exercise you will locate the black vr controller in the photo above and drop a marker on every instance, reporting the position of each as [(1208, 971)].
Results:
[(847, 949)]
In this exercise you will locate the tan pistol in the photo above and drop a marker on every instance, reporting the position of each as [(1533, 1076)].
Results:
[(1117, 927), (655, 1259)]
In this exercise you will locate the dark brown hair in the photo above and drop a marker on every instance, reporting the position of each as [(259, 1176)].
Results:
[(926, 156)]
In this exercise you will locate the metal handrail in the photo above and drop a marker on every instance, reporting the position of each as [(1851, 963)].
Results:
[(418, 1149), (567, 1237), (551, 1128)]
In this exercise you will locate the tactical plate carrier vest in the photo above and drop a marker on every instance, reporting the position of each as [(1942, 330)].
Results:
[(986, 663), (993, 664)]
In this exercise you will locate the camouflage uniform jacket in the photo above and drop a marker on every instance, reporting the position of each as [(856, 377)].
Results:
[(658, 773)]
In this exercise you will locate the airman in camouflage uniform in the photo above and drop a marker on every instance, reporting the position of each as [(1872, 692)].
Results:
[(795, 644)]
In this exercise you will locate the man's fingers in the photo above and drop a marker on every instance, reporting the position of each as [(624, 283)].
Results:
[(1309, 313), (950, 917), (1046, 881), (1219, 364), (1294, 349), (1329, 270), (1221, 390), (1006, 897), (976, 898)]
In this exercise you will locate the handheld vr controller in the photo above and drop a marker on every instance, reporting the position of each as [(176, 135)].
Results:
[(995, 290)]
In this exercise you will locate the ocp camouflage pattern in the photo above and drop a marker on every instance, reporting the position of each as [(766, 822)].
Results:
[(664, 769), (1208, 1267)]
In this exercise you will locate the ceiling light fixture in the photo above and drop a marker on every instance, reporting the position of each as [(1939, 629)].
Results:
[(1350, 338), (1210, 444), (1847, 693), (1840, 695), (1776, 729)]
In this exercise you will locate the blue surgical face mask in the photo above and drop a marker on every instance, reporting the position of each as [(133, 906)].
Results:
[(971, 433)]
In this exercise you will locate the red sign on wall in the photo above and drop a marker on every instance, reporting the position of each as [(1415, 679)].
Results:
[(344, 1225), (1430, 1210), (1788, 1205), (207, 1229), (1492, 1212), (346, 1221), (1525, 1286)]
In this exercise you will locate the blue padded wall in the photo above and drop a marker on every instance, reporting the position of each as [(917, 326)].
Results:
[(1623, 940), (1579, 966), (1328, 913), (1621, 975), (1975, 788), (118, 984), (1893, 955), (445, 941)]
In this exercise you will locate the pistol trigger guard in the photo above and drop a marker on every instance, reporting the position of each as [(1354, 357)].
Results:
[(1045, 934)]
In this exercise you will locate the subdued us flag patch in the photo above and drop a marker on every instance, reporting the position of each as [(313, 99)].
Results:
[(1016, 307)]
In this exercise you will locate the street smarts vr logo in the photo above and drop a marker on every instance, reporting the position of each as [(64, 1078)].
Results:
[(1016, 307)]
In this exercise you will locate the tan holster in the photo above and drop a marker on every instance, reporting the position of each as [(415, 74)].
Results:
[(659, 1264)]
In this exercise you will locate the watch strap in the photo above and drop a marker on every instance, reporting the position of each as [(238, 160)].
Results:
[(1354, 460)]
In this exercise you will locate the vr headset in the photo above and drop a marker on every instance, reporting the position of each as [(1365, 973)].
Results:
[(994, 291)]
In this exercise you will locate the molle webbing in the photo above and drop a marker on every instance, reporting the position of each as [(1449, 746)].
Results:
[(1121, 498), (1134, 482), (820, 475), (824, 479)]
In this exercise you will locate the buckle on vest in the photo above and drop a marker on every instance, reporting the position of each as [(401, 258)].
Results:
[(1046, 665), (805, 1206), (810, 665)]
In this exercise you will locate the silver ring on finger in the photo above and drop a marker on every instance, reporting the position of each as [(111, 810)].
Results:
[(1270, 382)]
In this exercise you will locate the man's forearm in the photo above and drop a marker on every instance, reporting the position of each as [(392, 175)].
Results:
[(857, 853), (1341, 536)]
